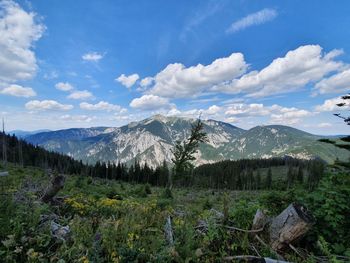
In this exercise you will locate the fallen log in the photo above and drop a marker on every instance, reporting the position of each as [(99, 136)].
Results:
[(169, 236), (253, 259), (289, 226), (4, 173), (55, 186)]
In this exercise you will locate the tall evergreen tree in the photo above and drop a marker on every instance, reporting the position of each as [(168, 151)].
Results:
[(268, 181)]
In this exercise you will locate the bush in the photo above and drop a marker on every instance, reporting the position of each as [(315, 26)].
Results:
[(112, 194), (207, 204), (148, 189), (167, 193)]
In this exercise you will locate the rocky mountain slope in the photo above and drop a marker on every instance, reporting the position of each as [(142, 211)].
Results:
[(152, 139)]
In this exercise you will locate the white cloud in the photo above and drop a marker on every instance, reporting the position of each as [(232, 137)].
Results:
[(77, 118), (324, 125), (64, 86), (338, 83), (244, 110), (145, 82), (331, 105), (214, 109), (18, 91), (128, 81), (304, 65), (80, 95), (253, 19), (37, 105), (102, 106), (177, 81), (287, 116), (92, 56), (277, 113), (18, 32), (150, 102)]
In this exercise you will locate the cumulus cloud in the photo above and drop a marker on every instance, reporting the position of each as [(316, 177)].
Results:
[(80, 95), (77, 118), (43, 105), (145, 82), (18, 91), (92, 56), (260, 17), (64, 86), (338, 83), (102, 106), (177, 81), (127, 81), (304, 65), (288, 116), (331, 105), (277, 114), (244, 110), (150, 102), (18, 32)]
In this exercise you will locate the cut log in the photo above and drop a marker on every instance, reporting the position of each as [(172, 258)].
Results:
[(169, 236), (289, 226), (55, 186), (260, 220)]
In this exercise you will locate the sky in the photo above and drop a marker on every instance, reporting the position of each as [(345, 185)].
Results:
[(91, 63)]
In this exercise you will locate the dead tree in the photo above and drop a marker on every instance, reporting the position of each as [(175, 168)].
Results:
[(286, 228), (55, 186)]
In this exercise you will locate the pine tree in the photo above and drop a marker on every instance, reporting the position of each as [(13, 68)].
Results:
[(184, 151), (300, 176), (268, 182)]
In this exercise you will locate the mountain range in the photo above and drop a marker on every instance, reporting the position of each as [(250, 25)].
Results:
[(152, 139)]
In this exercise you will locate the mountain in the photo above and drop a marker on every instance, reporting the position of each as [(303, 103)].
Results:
[(23, 134), (152, 139)]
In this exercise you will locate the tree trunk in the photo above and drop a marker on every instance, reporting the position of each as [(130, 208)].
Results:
[(289, 226), (55, 186)]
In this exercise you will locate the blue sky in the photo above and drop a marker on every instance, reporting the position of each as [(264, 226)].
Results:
[(106, 63)]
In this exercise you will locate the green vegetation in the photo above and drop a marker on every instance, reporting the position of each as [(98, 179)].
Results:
[(114, 221)]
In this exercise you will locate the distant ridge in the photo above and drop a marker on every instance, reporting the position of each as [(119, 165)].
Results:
[(151, 140)]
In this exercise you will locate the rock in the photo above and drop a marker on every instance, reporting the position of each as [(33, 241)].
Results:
[(60, 232)]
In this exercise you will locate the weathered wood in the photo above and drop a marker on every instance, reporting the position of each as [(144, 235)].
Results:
[(169, 236), (253, 259), (260, 220), (55, 186), (4, 174), (289, 226)]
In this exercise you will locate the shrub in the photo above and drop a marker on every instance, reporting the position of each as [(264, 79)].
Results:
[(148, 189), (167, 193)]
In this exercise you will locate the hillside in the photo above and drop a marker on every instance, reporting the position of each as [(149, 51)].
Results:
[(152, 139)]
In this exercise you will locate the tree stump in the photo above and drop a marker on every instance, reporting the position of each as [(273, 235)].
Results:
[(260, 220), (55, 186), (289, 226)]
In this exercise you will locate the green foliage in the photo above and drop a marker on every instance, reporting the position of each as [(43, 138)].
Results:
[(167, 193), (106, 228), (184, 151), (330, 203)]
